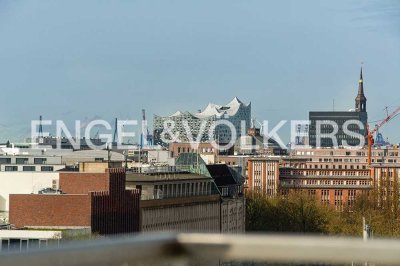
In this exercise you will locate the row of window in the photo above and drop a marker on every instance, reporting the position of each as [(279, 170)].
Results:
[(327, 182), (14, 168), (323, 173), (23, 160)]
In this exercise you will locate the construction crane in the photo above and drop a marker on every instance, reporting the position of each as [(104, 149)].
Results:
[(115, 135), (371, 133)]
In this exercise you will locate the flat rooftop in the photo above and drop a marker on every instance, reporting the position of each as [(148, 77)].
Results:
[(161, 177)]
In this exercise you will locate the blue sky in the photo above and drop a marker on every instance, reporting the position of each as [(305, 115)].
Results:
[(85, 59)]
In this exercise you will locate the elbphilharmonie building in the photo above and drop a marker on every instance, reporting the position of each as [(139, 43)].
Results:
[(221, 123)]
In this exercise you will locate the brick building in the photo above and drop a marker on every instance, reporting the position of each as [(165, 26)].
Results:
[(96, 200), (330, 182), (336, 187), (386, 180), (263, 176), (337, 176)]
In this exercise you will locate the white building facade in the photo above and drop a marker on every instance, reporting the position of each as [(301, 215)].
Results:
[(24, 183)]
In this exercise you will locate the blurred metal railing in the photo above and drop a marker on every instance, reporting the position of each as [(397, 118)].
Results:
[(181, 249)]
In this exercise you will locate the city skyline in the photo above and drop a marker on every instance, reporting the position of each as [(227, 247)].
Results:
[(118, 58)]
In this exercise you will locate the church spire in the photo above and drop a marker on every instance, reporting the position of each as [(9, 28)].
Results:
[(361, 100)]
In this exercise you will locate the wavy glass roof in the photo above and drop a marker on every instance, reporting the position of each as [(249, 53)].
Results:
[(218, 111)]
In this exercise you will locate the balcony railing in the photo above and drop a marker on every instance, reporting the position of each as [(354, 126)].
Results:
[(203, 249)]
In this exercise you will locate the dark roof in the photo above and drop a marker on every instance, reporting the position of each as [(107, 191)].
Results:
[(189, 158), (221, 174), (68, 169)]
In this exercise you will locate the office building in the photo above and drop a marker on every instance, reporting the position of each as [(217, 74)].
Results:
[(177, 201), (263, 176), (340, 118)]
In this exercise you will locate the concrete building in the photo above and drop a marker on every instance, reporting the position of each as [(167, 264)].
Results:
[(230, 184), (255, 144), (29, 163), (68, 157), (158, 157), (96, 200), (98, 167), (177, 201), (349, 158), (24, 240), (175, 149), (233, 208), (340, 118), (234, 112), (66, 143)]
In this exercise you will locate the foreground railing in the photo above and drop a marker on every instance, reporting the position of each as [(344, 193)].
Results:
[(182, 249)]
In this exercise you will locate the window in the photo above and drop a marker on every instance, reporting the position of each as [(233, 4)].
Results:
[(39, 160), (351, 197), (5, 160), (29, 168), (11, 168), (47, 169), (21, 160), (339, 200), (325, 196)]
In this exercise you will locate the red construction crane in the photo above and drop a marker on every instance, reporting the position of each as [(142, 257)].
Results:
[(377, 127)]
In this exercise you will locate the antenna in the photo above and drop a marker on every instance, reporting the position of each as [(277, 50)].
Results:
[(108, 155), (333, 106), (40, 127)]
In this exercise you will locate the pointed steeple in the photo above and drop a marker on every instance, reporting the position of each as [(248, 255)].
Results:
[(361, 84), (361, 100)]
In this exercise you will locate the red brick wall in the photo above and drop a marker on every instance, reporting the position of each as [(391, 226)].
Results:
[(116, 214), (117, 210), (83, 183), (110, 210), (50, 210)]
